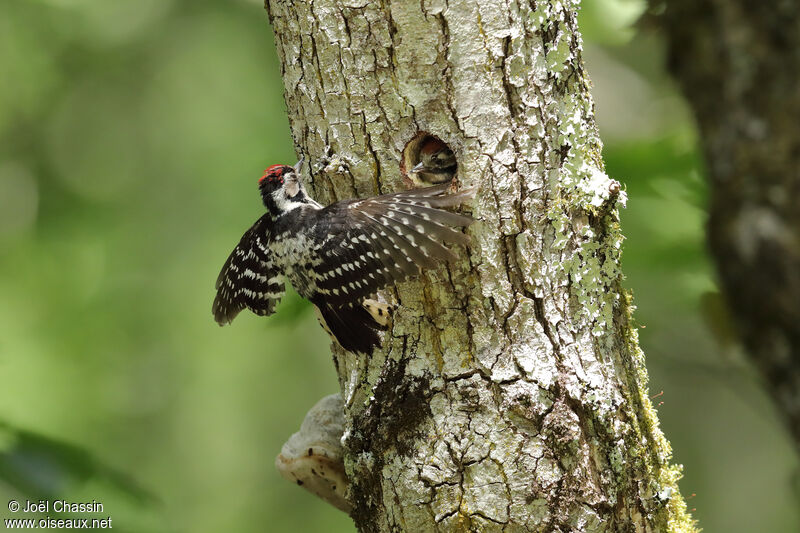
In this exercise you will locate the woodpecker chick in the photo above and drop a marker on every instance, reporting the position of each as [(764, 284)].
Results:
[(337, 256), (437, 163)]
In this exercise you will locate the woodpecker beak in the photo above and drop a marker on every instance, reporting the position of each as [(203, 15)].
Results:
[(298, 166), (419, 168)]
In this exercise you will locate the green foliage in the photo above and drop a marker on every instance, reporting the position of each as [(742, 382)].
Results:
[(41, 467)]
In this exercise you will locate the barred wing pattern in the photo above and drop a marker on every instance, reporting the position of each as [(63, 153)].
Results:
[(375, 242), (340, 255), (248, 278)]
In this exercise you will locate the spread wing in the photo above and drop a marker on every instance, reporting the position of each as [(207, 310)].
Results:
[(248, 278), (375, 242)]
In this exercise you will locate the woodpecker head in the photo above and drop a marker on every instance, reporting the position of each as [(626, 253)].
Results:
[(437, 162), (281, 188)]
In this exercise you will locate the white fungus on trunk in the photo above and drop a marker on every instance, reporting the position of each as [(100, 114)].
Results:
[(312, 457)]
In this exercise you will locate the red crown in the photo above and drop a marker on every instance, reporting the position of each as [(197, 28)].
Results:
[(273, 172)]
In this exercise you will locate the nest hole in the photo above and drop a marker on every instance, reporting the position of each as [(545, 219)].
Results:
[(428, 160)]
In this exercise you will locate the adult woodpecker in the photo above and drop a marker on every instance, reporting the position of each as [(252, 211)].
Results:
[(437, 163), (336, 256)]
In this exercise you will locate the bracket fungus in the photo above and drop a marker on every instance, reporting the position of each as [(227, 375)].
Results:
[(312, 457)]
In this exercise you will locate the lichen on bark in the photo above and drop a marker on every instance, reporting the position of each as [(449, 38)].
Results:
[(511, 393)]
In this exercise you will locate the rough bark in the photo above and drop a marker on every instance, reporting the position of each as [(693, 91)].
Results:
[(738, 62), (511, 393)]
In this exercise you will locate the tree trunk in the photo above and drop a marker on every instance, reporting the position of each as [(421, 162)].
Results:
[(738, 64), (511, 393)]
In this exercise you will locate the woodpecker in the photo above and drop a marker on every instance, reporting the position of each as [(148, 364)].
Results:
[(337, 256), (437, 162)]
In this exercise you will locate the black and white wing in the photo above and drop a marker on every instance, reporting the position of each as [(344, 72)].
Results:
[(248, 278), (371, 243)]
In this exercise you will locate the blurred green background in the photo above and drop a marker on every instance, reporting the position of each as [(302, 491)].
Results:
[(133, 133)]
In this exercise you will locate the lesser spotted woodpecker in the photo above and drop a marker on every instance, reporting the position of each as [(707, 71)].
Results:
[(336, 256)]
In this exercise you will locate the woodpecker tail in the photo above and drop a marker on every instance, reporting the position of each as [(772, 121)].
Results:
[(354, 327)]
